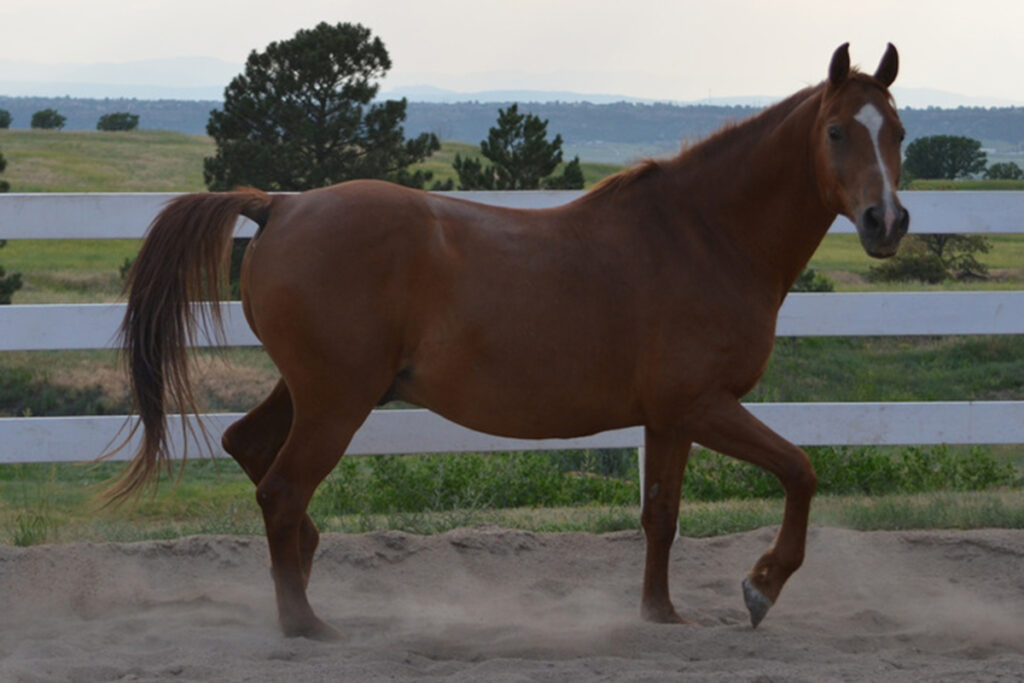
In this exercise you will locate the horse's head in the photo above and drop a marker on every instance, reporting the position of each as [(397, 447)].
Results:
[(857, 139)]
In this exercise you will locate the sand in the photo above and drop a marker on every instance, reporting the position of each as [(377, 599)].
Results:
[(501, 605)]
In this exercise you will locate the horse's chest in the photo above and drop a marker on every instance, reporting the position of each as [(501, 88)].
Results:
[(713, 355)]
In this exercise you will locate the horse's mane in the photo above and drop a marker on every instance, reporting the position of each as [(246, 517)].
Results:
[(752, 126), (626, 177)]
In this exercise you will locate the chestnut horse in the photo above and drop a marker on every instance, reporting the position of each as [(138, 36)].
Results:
[(650, 300)]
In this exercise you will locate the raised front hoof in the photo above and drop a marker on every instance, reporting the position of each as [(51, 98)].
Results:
[(757, 604), (314, 629), (662, 614)]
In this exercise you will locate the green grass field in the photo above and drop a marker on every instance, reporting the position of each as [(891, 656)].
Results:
[(51, 503), (153, 161), (93, 161)]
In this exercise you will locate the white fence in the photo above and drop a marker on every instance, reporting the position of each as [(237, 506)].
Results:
[(88, 326)]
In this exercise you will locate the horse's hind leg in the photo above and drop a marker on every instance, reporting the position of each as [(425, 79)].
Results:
[(665, 457), (729, 428), (254, 442), (320, 433)]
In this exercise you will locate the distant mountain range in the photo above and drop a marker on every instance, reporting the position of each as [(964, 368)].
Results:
[(204, 78), (918, 98), (182, 78)]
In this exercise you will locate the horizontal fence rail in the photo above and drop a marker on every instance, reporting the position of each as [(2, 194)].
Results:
[(94, 326), (126, 216), (389, 432)]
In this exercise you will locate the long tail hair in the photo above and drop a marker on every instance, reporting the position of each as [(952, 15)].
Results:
[(182, 260)]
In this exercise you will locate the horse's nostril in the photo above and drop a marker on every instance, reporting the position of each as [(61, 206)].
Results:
[(903, 221), (873, 220)]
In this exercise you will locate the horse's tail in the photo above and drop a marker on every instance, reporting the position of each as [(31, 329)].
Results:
[(181, 261)]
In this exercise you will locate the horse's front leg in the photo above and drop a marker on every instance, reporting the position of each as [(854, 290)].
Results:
[(729, 428), (665, 456)]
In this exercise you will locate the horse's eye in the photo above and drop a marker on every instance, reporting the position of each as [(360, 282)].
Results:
[(835, 133), (903, 134)]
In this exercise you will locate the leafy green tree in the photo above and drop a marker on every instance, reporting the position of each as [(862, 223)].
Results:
[(521, 156), (118, 121), (48, 119), (301, 116), (5, 118), (1006, 170), (944, 156)]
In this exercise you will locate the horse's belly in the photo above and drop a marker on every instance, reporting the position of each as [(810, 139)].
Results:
[(535, 400), (534, 422)]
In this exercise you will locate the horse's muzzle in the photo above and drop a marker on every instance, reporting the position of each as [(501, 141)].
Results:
[(881, 229)]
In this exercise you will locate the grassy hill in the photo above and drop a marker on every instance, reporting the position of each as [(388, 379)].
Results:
[(80, 161), (152, 161)]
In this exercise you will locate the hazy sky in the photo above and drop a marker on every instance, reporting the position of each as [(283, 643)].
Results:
[(646, 48)]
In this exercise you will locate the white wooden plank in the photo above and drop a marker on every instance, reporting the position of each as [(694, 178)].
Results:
[(901, 313), (834, 424), (83, 215), (387, 432), (987, 212), (91, 326), (94, 326), (127, 215)]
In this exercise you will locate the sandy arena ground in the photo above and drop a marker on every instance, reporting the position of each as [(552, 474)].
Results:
[(500, 605)]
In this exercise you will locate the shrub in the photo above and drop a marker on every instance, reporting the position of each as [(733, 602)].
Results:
[(812, 281), (9, 284), (48, 119), (4, 185), (913, 262), (934, 258), (1004, 171), (118, 121)]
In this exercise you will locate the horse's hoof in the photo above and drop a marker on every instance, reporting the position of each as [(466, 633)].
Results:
[(757, 604), (662, 615), (315, 630)]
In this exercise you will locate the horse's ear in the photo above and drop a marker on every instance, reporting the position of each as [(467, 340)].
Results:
[(889, 66), (839, 69)]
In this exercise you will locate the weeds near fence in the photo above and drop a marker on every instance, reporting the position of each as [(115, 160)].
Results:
[(594, 491), (416, 484)]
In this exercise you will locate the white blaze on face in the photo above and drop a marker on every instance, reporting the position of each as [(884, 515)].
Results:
[(871, 118)]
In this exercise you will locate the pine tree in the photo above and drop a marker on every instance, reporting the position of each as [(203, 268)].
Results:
[(300, 116), (521, 157)]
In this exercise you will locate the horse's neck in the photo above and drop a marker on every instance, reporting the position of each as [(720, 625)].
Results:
[(766, 198)]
